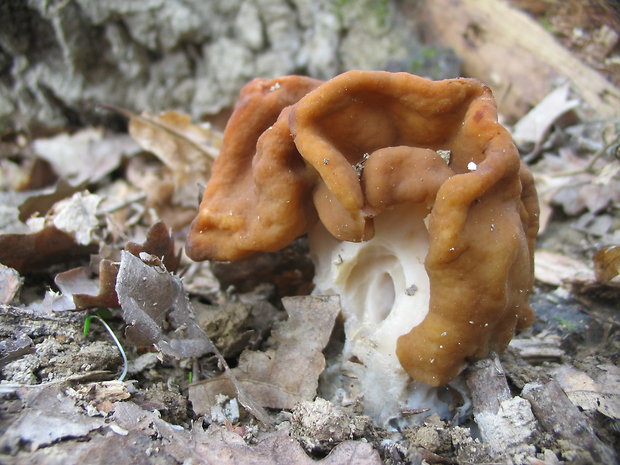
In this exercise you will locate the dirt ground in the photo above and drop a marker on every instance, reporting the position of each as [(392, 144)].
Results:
[(91, 251)]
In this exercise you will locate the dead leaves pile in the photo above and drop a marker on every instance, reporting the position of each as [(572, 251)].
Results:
[(82, 227), (577, 170), (131, 434), (84, 224)]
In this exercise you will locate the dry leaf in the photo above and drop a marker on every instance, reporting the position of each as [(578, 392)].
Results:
[(156, 182), (68, 232), (288, 374), (557, 269), (89, 291), (40, 202), (78, 216), (186, 149), (156, 309), (10, 284), (34, 252), (86, 156), (159, 243), (565, 180), (533, 127), (48, 416), (607, 265), (588, 394)]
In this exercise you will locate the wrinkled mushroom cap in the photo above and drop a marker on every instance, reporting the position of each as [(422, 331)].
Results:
[(255, 200), (365, 142)]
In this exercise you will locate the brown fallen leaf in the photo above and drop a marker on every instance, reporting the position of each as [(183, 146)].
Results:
[(158, 313), (589, 394), (607, 265), (67, 232), (152, 299), (86, 156), (147, 175), (88, 289), (20, 170), (35, 251), (185, 148), (579, 185), (280, 377), (40, 202), (531, 130), (159, 243), (10, 284), (559, 270)]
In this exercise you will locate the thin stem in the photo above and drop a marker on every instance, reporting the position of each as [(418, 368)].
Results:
[(116, 341), (588, 168)]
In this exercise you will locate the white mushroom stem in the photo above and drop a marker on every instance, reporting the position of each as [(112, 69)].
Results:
[(384, 291)]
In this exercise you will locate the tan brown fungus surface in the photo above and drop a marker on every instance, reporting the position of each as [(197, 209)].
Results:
[(359, 144)]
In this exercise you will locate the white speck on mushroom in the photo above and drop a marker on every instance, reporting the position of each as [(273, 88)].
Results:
[(444, 334), (359, 166), (471, 322), (441, 346), (326, 161), (492, 227), (411, 290), (471, 166), (432, 360), (276, 86), (445, 155)]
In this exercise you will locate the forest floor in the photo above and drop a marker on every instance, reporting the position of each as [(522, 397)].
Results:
[(85, 221)]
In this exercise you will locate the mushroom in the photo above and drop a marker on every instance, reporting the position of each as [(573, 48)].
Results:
[(255, 199), (426, 217)]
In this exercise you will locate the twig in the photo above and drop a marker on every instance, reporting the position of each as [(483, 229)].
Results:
[(589, 167), (210, 153), (125, 204)]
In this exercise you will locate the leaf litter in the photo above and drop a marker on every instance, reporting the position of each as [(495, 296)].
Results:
[(84, 236)]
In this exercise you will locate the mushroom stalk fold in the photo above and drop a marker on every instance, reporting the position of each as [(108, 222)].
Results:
[(420, 213)]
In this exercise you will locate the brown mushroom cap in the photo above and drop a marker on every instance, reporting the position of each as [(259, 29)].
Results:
[(255, 199), (362, 143)]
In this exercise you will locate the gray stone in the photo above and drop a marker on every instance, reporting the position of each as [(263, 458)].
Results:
[(56, 58)]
